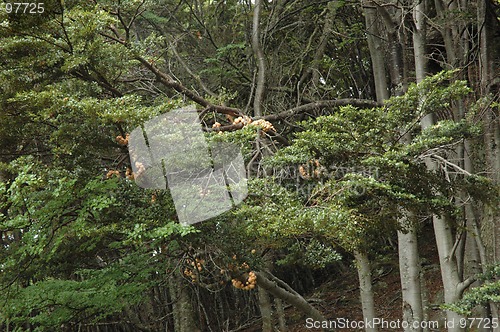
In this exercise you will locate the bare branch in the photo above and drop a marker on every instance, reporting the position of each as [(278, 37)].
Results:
[(193, 75), (317, 105), (168, 81), (137, 13), (447, 162)]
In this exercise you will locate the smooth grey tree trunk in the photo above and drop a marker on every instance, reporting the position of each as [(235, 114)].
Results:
[(453, 288), (377, 48), (419, 35), (409, 258), (259, 58), (452, 285), (409, 269), (365, 288)]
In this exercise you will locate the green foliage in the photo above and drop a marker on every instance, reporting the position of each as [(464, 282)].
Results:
[(357, 162), (81, 243), (97, 294), (67, 220), (243, 138), (222, 54), (314, 254)]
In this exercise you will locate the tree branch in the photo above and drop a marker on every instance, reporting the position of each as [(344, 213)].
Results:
[(294, 299), (317, 105), (465, 284), (231, 127), (458, 168), (188, 70), (168, 81)]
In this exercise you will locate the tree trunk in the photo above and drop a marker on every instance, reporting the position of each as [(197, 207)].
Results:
[(266, 310), (376, 46), (184, 319), (409, 259), (453, 288), (490, 83), (475, 249), (419, 39), (259, 58), (409, 269), (488, 51), (320, 51), (396, 52), (365, 288), (280, 312)]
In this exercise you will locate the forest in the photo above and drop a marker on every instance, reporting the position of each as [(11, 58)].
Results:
[(365, 136)]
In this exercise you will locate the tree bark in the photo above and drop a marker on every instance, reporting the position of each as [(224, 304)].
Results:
[(280, 312), (490, 81), (453, 288), (259, 58), (452, 284), (409, 269), (320, 51), (376, 46), (375, 15), (396, 51), (184, 320), (365, 288), (419, 39), (409, 259), (266, 310)]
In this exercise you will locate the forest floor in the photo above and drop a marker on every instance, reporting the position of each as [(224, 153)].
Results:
[(338, 298)]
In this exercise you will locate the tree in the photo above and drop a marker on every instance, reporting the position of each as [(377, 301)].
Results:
[(77, 79)]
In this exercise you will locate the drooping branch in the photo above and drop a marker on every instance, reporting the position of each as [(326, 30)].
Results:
[(449, 163), (168, 81), (294, 298)]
